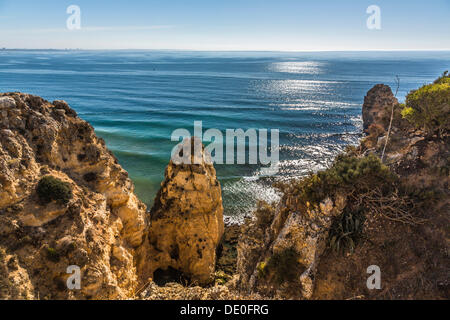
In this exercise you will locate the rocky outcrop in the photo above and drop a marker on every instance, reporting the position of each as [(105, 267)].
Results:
[(377, 106), (102, 227), (411, 153), (176, 291), (295, 236), (15, 283), (411, 246), (287, 250), (395, 213), (97, 230), (186, 221)]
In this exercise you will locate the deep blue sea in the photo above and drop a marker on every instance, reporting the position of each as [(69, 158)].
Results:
[(136, 99)]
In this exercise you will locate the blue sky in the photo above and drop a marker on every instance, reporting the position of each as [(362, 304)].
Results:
[(275, 25)]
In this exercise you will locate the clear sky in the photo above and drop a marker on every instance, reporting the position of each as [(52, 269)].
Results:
[(274, 25)]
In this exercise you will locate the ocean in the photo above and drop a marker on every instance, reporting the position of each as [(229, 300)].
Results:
[(136, 99)]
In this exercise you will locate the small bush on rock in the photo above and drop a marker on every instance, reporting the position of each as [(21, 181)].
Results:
[(52, 255), (346, 231), (354, 177), (262, 271), (264, 215), (284, 265), (445, 78), (429, 106), (52, 189), (347, 173)]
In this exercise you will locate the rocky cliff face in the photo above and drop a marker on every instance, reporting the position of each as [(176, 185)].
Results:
[(294, 249), (279, 251), (65, 201), (186, 221), (411, 153), (409, 244), (97, 230), (377, 106)]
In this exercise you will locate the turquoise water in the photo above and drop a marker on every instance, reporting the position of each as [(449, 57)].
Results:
[(136, 99)]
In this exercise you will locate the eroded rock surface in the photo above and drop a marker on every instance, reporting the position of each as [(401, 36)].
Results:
[(186, 221), (284, 252), (377, 106), (97, 230), (295, 230)]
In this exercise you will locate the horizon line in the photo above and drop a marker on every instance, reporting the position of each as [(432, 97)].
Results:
[(229, 50)]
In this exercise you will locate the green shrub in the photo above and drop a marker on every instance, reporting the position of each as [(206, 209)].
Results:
[(264, 215), (284, 265), (346, 231), (50, 188), (262, 271), (429, 106), (407, 112), (351, 176), (348, 173), (52, 254), (445, 78)]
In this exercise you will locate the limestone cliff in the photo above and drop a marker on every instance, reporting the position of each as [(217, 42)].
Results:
[(377, 104), (66, 201), (279, 251), (186, 221), (319, 240), (406, 233), (97, 229)]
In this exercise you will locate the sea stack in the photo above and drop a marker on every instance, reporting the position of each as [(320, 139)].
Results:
[(186, 220), (377, 106)]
